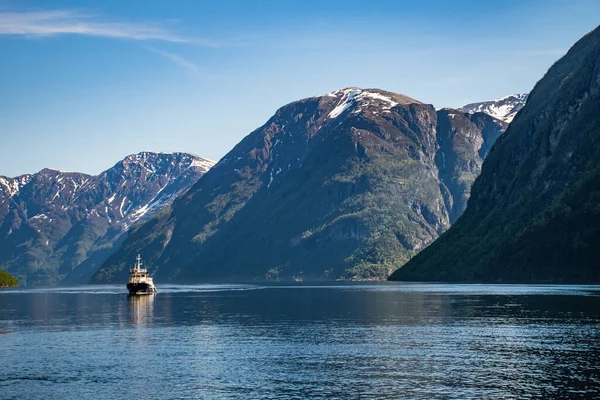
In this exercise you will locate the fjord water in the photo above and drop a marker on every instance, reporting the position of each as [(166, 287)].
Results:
[(301, 341)]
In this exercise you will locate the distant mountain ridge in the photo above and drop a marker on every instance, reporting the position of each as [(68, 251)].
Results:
[(57, 227), (534, 213), (346, 185), (504, 108)]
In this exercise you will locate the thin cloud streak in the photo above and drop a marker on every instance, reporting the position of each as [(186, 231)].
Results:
[(175, 58), (65, 22)]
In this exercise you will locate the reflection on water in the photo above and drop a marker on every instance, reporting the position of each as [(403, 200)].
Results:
[(142, 309), (340, 341)]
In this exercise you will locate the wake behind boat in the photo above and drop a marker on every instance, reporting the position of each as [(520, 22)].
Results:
[(139, 281)]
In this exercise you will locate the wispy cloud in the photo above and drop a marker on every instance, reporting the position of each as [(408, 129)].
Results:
[(67, 22), (175, 58)]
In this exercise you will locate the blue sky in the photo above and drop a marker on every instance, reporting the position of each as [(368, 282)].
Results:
[(85, 83)]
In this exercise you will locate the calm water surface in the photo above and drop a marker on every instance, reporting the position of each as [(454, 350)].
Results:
[(340, 341)]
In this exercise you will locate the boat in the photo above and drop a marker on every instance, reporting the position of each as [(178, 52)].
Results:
[(139, 282)]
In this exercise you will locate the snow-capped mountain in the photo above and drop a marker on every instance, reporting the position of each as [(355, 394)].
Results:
[(345, 185), (58, 226), (503, 109)]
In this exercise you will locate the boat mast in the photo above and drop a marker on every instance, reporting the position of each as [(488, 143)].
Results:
[(138, 264)]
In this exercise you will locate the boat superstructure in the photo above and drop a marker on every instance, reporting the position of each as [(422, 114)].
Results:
[(139, 281)]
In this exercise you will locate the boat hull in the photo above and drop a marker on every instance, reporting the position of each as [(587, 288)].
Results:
[(138, 289)]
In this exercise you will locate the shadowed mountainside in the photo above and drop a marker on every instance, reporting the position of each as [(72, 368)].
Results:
[(534, 213)]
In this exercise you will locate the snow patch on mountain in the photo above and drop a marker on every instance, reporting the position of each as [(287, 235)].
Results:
[(372, 99), (504, 108), (12, 186), (348, 96), (376, 96), (203, 163)]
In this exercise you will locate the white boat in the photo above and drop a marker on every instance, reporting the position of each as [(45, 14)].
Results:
[(139, 281)]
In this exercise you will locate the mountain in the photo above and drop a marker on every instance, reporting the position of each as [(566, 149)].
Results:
[(463, 141), (534, 213), (348, 185), (503, 109), (58, 227)]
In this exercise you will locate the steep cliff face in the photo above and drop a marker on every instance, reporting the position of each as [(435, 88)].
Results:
[(59, 226), (534, 211), (340, 186), (464, 140)]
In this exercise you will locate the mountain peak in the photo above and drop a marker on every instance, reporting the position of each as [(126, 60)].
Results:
[(53, 171), (372, 94), (354, 97), (504, 108), (517, 96), (187, 160), (145, 155)]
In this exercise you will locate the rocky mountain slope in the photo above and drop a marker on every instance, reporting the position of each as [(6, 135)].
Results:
[(348, 185), (58, 227), (534, 214), (503, 109)]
